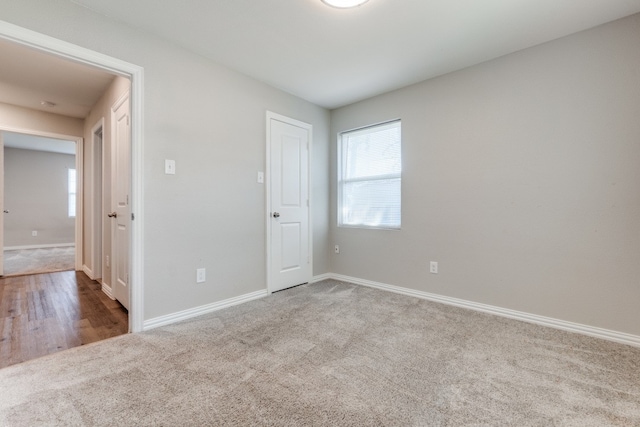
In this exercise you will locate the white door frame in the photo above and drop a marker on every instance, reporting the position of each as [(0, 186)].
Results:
[(2, 203), (79, 181), (269, 222), (97, 185), (135, 73)]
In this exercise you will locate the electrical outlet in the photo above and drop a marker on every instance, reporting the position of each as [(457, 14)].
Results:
[(337, 249), (200, 275), (107, 261), (34, 233), (433, 267)]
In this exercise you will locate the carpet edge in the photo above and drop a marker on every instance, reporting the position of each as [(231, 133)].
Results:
[(203, 309), (592, 331)]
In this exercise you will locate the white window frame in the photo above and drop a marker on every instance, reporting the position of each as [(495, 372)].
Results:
[(342, 181)]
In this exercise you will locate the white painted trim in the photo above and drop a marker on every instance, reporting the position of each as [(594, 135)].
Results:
[(135, 73), (96, 215), (49, 245), (203, 309), (267, 182), (33, 132), (107, 290), (86, 270), (1, 203), (592, 331), (267, 187), (321, 277), (79, 219), (136, 315)]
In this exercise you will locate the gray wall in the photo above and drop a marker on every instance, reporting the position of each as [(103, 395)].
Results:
[(36, 196), (521, 178), (211, 120), (19, 118), (520, 175)]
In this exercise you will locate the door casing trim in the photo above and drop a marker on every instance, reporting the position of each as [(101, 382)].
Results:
[(135, 74), (96, 214), (267, 182), (79, 181)]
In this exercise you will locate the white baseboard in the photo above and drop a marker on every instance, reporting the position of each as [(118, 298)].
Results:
[(48, 245), (108, 291), (203, 309), (321, 277), (620, 337), (86, 270)]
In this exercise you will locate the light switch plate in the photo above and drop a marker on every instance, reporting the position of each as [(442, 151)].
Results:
[(170, 167), (260, 177), (433, 267)]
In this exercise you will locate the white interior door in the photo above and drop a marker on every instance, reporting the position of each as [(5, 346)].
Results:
[(290, 240), (121, 185)]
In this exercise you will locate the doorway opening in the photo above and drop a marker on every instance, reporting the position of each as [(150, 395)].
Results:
[(40, 204), (34, 42)]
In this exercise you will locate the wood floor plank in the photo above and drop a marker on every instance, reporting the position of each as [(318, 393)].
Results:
[(45, 313), (5, 337)]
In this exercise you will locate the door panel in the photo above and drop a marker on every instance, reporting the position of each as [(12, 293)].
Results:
[(290, 171), (291, 247), (290, 257), (122, 184)]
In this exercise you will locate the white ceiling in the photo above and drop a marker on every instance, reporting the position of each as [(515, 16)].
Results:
[(28, 76), (333, 57), (38, 143)]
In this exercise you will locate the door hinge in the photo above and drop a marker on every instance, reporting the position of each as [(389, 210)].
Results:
[(132, 216), (307, 202)]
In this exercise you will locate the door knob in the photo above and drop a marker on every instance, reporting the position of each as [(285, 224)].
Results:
[(276, 215), (112, 215)]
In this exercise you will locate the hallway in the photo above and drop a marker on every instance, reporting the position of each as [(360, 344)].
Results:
[(45, 313)]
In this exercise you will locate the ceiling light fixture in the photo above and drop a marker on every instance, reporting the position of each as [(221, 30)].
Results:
[(48, 104), (344, 4)]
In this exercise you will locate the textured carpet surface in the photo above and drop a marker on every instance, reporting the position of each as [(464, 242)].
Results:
[(43, 260), (332, 354)]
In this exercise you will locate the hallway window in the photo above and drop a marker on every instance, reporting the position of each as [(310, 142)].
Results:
[(369, 181), (72, 193)]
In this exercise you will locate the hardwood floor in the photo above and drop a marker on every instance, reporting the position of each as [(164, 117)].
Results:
[(45, 313)]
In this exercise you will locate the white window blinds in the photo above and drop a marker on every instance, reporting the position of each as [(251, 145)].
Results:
[(370, 177)]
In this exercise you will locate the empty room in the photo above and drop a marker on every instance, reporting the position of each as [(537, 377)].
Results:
[(402, 213)]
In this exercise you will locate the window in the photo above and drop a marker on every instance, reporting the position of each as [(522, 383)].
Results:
[(71, 180), (369, 180)]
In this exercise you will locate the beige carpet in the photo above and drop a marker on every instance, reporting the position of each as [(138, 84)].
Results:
[(43, 260), (332, 354)]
